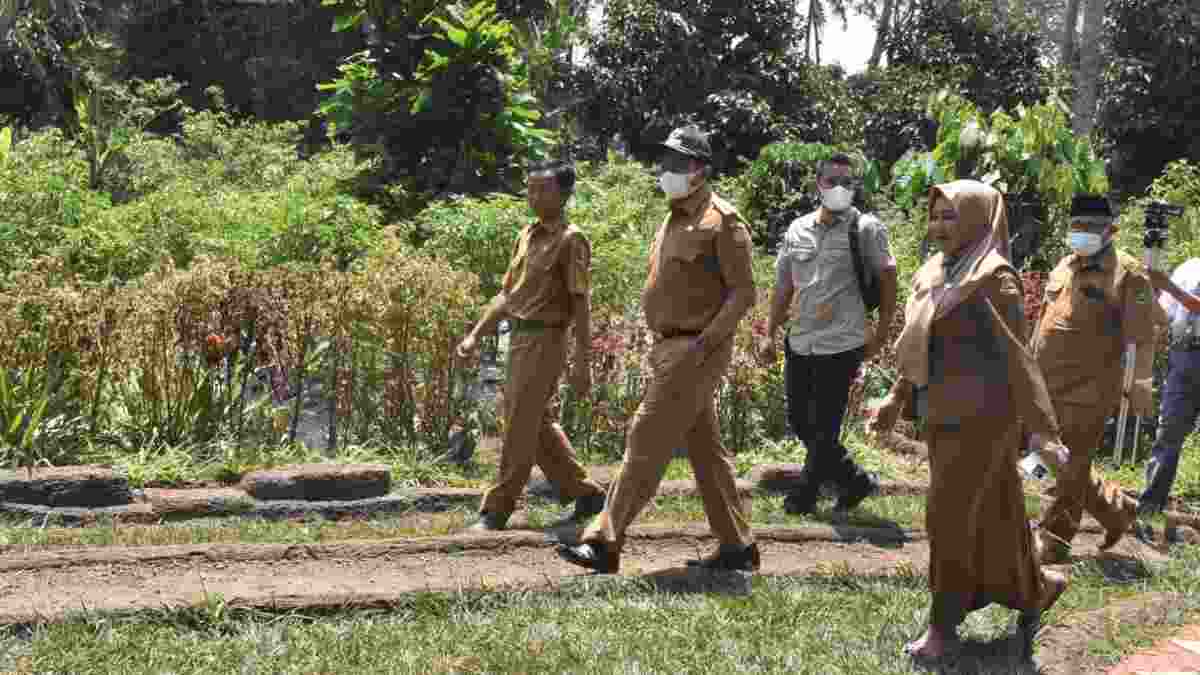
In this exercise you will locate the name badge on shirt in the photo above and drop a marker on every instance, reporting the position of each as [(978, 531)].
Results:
[(824, 313)]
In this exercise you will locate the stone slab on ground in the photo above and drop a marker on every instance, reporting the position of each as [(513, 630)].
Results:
[(317, 482), (69, 486), (73, 516), (183, 504), (1178, 654)]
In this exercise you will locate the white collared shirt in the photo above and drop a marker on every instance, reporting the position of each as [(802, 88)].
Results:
[(1183, 322)]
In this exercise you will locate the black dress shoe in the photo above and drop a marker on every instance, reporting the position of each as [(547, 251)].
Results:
[(863, 486), (585, 508), (597, 556), (489, 522), (1027, 627), (746, 560), (800, 503)]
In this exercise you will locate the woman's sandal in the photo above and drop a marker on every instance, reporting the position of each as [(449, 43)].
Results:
[(949, 653)]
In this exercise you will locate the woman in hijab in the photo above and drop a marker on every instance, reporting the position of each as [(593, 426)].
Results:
[(962, 363)]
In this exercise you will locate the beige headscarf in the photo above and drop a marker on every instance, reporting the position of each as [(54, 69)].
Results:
[(937, 289)]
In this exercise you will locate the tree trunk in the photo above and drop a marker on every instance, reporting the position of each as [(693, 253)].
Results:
[(1087, 81), (1067, 45), (1001, 10), (816, 19), (881, 33)]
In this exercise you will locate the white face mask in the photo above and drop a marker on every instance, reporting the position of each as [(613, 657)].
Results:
[(837, 198), (1084, 243), (676, 185)]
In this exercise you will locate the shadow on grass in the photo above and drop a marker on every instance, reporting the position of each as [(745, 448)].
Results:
[(858, 526), (1002, 656), (1122, 568)]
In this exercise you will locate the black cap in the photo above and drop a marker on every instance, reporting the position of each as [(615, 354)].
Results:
[(1087, 205), (690, 141)]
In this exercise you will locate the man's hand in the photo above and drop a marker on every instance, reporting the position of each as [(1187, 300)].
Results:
[(581, 379), (466, 348), (699, 348), (1158, 278), (766, 350), (1050, 450), (883, 418), (874, 344), (1141, 398)]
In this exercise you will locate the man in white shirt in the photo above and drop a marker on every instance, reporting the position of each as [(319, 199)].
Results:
[(819, 299), (1181, 394)]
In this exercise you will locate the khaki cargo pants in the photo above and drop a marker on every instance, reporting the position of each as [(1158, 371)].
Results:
[(1077, 489), (531, 433), (677, 411)]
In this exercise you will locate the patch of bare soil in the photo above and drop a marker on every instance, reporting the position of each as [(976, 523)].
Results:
[(1065, 646), (50, 585)]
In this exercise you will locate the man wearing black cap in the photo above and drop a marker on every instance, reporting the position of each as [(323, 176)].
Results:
[(699, 286), (1098, 301)]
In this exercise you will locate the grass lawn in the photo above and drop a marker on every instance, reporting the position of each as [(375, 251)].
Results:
[(830, 623)]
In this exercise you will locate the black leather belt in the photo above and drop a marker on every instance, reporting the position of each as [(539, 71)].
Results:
[(518, 325), (677, 334), (1186, 344)]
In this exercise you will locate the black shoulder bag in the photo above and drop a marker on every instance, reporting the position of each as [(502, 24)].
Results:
[(868, 285)]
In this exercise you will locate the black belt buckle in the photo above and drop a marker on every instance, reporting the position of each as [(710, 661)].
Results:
[(527, 325), (1188, 344), (677, 334)]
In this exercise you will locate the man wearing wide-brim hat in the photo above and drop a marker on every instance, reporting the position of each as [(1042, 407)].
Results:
[(700, 285)]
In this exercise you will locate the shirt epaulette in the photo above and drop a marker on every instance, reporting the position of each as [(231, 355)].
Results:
[(725, 208), (1131, 264)]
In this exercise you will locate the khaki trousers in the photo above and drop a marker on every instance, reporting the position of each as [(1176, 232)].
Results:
[(531, 433), (677, 411), (1077, 489)]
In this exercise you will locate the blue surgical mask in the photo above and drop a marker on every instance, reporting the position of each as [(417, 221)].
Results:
[(1085, 243)]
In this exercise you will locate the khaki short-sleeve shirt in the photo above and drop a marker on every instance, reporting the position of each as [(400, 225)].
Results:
[(550, 265), (1091, 309), (700, 253)]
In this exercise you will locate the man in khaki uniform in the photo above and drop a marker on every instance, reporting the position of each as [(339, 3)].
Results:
[(699, 286), (1098, 300), (545, 289)]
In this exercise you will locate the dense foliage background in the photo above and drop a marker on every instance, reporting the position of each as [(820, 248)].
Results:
[(195, 263)]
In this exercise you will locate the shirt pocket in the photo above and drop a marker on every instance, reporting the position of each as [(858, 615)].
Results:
[(694, 246), (544, 255), (835, 250), (802, 258)]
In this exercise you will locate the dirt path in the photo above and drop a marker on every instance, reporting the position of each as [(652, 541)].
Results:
[(48, 586), (51, 585)]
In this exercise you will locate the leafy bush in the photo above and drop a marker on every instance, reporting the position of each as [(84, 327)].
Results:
[(892, 102), (999, 64), (440, 99), (1147, 115), (655, 66)]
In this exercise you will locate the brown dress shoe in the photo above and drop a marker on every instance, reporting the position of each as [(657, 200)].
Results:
[(1129, 515)]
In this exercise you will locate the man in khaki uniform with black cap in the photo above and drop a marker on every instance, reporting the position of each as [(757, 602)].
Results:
[(1098, 300), (699, 286), (545, 289)]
